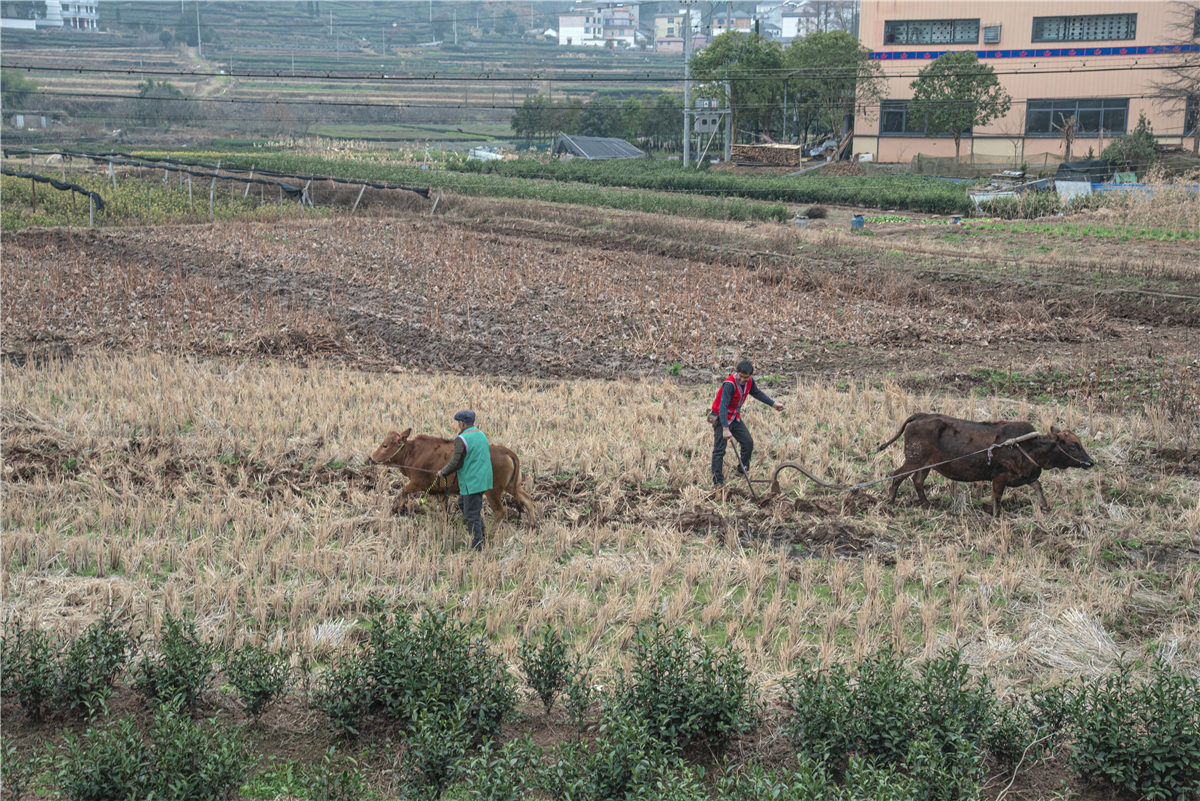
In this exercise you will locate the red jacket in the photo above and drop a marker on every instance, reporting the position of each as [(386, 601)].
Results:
[(735, 403)]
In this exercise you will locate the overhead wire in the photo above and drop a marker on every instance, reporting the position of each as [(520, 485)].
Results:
[(586, 76)]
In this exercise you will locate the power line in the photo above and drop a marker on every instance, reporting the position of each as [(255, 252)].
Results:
[(551, 106), (582, 77)]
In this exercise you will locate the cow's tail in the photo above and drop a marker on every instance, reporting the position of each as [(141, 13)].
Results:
[(524, 499), (898, 433)]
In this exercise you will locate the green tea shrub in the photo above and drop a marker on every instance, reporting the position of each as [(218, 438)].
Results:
[(866, 780), (547, 665), (183, 760), (505, 773), (436, 743), (30, 667), (195, 760), (945, 766), (580, 693), (1141, 736), (952, 708), (939, 722), (106, 763), (886, 706), (19, 771), (625, 760), (182, 667), (91, 664), (811, 780), (333, 779), (259, 676), (346, 694), (822, 724), (432, 663), (686, 689)]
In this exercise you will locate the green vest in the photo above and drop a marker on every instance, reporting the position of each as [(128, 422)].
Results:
[(475, 475)]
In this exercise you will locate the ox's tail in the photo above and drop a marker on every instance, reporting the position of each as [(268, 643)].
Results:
[(898, 433), (524, 499)]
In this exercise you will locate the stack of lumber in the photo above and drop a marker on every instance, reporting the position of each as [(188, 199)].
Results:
[(775, 155)]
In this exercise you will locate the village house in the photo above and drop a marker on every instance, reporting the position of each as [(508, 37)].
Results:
[(1056, 66)]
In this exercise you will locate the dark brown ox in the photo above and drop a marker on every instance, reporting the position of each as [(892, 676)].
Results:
[(421, 457), (933, 438)]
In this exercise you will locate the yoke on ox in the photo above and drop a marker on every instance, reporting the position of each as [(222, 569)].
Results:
[(421, 457), (962, 450)]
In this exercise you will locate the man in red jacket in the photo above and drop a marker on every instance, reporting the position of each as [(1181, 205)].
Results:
[(726, 417)]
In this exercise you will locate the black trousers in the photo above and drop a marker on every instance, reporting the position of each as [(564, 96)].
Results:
[(472, 508), (745, 443)]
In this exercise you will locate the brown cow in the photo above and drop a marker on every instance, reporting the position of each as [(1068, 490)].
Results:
[(933, 438), (421, 457)]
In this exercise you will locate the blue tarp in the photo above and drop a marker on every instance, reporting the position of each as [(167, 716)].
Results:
[(1142, 189)]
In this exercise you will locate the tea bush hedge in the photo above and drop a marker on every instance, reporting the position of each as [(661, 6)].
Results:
[(432, 664), (1142, 736), (685, 688)]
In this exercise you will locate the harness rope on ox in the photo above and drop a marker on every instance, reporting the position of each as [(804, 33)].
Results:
[(438, 473), (1013, 442)]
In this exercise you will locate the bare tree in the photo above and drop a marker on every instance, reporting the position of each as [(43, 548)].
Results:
[(1180, 86)]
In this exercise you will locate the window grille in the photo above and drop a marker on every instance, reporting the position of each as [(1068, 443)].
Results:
[(991, 34), (1088, 28), (940, 31)]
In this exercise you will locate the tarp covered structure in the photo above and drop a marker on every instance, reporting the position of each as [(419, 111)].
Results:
[(1095, 171), (596, 147)]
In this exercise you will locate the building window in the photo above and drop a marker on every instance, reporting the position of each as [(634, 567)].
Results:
[(1191, 116), (1089, 28), (1092, 115), (896, 120), (931, 31), (670, 31)]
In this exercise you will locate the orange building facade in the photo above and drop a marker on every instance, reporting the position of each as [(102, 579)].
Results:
[(1095, 61)]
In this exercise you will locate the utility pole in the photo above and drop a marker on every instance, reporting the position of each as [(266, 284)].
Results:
[(199, 43), (728, 121), (687, 81), (455, 26), (331, 23)]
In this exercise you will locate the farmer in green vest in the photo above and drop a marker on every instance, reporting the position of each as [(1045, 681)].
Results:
[(472, 460)]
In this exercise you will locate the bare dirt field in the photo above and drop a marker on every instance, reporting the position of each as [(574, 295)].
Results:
[(187, 410)]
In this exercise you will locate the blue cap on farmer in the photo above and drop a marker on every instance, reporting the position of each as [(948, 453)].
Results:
[(465, 416)]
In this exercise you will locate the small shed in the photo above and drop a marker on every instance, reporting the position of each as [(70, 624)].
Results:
[(596, 148)]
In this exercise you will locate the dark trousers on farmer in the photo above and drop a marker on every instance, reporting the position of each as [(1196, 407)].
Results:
[(745, 441), (472, 508)]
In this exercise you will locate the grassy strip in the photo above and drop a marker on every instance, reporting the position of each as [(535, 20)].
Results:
[(1081, 230), (500, 186), (875, 191)]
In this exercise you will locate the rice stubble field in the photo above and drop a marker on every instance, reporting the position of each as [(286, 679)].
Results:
[(187, 411)]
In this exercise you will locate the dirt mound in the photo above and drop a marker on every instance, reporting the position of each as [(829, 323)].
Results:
[(700, 519), (838, 537)]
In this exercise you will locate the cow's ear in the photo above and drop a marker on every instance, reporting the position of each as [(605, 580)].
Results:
[(404, 434), (1053, 429)]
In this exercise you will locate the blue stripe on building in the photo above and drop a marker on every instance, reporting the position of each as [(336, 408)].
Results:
[(1061, 52)]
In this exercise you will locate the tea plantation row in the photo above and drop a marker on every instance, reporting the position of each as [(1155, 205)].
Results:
[(871, 191), (878, 731), (692, 192)]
